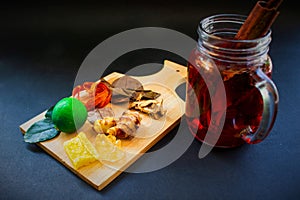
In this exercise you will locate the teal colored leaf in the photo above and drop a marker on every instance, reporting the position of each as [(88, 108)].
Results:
[(41, 131), (49, 112)]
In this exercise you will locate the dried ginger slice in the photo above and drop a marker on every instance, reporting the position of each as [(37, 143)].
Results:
[(108, 148)]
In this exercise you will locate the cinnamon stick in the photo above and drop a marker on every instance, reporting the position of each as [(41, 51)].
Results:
[(259, 20), (273, 4)]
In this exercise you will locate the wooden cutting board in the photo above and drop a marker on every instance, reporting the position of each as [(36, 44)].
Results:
[(150, 132)]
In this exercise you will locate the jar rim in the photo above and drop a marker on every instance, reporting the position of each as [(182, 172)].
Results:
[(237, 18)]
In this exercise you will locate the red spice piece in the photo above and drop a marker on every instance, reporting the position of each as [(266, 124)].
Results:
[(98, 94)]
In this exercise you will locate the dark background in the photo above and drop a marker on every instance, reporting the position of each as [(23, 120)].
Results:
[(41, 48)]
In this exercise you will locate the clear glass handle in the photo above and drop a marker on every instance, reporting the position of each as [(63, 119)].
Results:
[(270, 98)]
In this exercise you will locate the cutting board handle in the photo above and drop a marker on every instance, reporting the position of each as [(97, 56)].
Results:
[(171, 75), (180, 69)]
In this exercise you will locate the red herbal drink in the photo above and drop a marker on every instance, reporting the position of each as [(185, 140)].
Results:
[(238, 70)]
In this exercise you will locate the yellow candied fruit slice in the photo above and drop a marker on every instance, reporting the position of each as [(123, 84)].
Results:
[(108, 148), (88, 145), (80, 151)]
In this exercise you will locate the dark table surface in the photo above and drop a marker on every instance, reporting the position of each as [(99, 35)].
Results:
[(42, 47)]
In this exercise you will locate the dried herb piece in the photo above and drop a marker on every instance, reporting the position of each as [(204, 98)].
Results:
[(126, 89), (124, 95), (123, 88), (127, 82), (120, 95), (144, 95), (41, 131), (153, 108)]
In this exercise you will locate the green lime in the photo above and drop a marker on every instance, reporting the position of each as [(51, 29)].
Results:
[(69, 114)]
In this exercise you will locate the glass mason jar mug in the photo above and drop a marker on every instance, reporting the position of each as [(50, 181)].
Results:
[(231, 98)]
